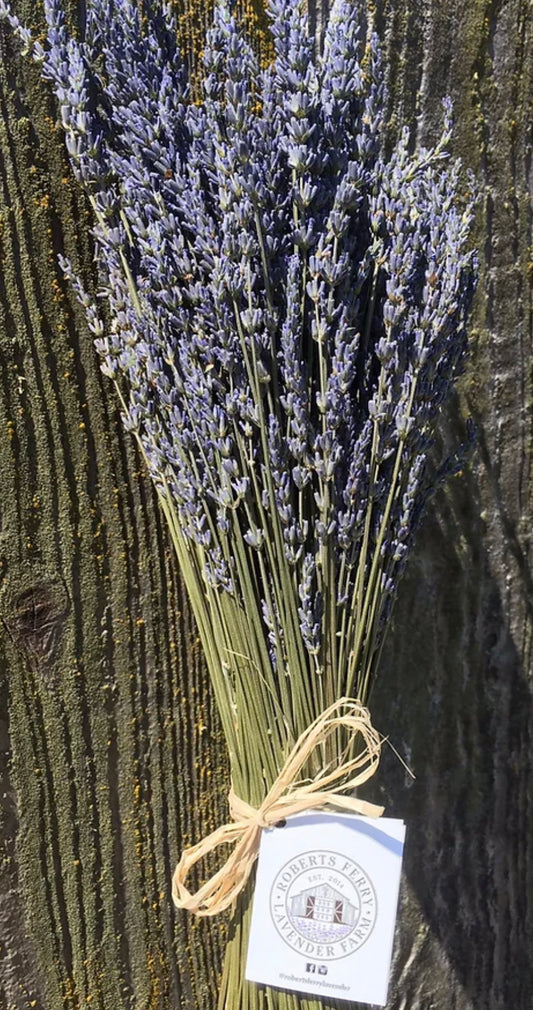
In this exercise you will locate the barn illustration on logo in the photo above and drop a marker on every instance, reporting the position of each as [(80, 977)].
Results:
[(322, 913), (323, 904)]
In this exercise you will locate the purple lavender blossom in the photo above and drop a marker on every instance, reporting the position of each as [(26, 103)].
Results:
[(285, 305)]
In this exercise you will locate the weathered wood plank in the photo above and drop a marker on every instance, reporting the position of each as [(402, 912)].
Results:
[(111, 755), (455, 688), (84, 561)]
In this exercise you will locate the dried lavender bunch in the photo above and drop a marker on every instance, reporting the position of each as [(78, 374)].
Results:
[(288, 310)]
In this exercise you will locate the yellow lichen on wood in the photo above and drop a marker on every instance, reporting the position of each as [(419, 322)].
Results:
[(194, 19)]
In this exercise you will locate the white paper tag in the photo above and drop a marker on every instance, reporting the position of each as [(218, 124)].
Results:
[(325, 906)]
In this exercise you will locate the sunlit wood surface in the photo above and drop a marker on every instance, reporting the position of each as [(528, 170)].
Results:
[(110, 753)]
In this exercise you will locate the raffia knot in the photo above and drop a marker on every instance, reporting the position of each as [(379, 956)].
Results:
[(288, 795)]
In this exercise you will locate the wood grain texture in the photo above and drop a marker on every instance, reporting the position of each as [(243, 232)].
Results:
[(107, 762), (455, 685), (111, 758)]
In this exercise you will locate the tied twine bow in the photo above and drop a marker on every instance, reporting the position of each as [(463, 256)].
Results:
[(288, 795)]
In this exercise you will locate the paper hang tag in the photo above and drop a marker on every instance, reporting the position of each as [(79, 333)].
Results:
[(325, 905)]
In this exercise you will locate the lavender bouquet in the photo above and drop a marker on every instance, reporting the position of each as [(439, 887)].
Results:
[(284, 309)]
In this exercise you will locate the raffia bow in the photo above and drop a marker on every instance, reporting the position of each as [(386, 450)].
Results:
[(288, 795)]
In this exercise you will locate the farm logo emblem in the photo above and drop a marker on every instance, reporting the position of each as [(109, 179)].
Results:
[(323, 905)]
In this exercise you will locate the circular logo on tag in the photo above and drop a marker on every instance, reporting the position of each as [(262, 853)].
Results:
[(323, 904)]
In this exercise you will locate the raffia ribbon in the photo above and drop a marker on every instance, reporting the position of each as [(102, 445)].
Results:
[(289, 795)]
